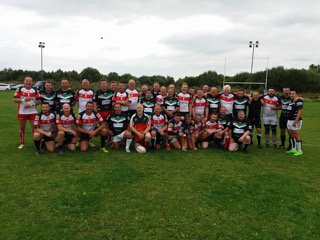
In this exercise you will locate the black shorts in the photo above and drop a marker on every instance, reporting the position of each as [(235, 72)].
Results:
[(210, 138), (84, 137), (256, 122), (283, 122), (160, 139), (48, 139), (68, 137)]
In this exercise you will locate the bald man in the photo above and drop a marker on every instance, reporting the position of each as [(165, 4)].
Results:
[(84, 95)]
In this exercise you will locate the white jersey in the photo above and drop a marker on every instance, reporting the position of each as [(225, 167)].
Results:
[(268, 103), (45, 122), (159, 99), (184, 101), (158, 122), (133, 97), (22, 93), (199, 106), (227, 102), (88, 122), (84, 96)]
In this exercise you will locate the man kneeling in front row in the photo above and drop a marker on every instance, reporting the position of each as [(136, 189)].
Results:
[(240, 129)]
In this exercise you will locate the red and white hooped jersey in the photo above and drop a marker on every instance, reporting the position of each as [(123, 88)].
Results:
[(200, 106), (173, 127), (159, 99), (88, 122), (45, 122), (268, 103), (159, 122), (67, 122), (212, 125), (121, 96), (184, 101), (22, 93), (84, 96), (227, 102), (133, 97), (198, 127)]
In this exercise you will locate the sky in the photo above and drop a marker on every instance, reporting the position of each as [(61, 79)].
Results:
[(169, 37)]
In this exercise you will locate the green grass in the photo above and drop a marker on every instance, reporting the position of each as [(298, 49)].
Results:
[(208, 194)]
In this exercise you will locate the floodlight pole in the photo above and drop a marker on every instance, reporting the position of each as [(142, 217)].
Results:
[(224, 73), (41, 46), (253, 46)]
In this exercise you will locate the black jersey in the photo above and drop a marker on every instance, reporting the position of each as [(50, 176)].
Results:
[(170, 103), (103, 99), (239, 127), (213, 103), (284, 103), (293, 109), (224, 121), (63, 97), (48, 98), (118, 122), (148, 105), (174, 128), (240, 104), (255, 109)]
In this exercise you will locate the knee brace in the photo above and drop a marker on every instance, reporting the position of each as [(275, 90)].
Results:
[(274, 129), (266, 129)]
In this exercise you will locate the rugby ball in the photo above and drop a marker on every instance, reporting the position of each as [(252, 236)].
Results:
[(141, 149)]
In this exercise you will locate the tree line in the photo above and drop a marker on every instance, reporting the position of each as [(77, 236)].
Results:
[(303, 80)]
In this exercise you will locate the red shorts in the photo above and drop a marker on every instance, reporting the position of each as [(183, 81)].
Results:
[(137, 139), (25, 117), (104, 114)]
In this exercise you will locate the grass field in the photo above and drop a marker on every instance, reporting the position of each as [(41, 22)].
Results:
[(207, 194)]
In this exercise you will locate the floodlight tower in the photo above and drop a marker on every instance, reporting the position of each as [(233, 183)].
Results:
[(252, 45), (41, 46)]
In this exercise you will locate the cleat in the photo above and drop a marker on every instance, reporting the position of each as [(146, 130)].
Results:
[(275, 145), (282, 147), (38, 153), (297, 154), (244, 150), (127, 150), (168, 148), (104, 150), (91, 144), (60, 151), (184, 149), (292, 151), (260, 146), (21, 146)]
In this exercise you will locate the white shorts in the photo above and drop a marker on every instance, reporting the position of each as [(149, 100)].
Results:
[(270, 120), (291, 127), (118, 138)]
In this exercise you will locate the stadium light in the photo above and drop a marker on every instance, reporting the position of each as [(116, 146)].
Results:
[(41, 46), (252, 45)]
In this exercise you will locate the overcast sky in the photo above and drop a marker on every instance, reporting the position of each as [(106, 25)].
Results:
[(168, 37)]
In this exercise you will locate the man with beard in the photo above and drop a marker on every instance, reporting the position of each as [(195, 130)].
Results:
[(64, 95), (254, 116)]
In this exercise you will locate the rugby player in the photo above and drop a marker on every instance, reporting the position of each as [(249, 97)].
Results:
[(122, 98), (294, 123), (103, 100), (144, 89), (241, 102), (64, 95), (224, 121), (27, 97), (117, 124), (205, 90), (87, 127), (213, 100), (270, 116), (240, 129), (170, 104), (159, 124), (284, 103), (188, 128), (113, 86), (133, 97), (84, 95), (140, 125), (213, 131), (199, 106), (48, 95), (226, 100), (161, 96), (44, 124), (184, 99), (254, 116), (66, 124), (155, 90), (148, 103), (174, 132)]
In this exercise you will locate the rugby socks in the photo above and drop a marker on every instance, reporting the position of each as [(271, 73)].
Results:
[(153, 142), (226, 141), (21, 135), (103, 140), (293, 143), (245, 145), (128, 142), (299, 146), (259, 138), (283, 140), (37, 144)]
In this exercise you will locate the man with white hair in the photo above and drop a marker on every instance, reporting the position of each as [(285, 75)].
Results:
[(133, 97), (227, 99), (84, 95)]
